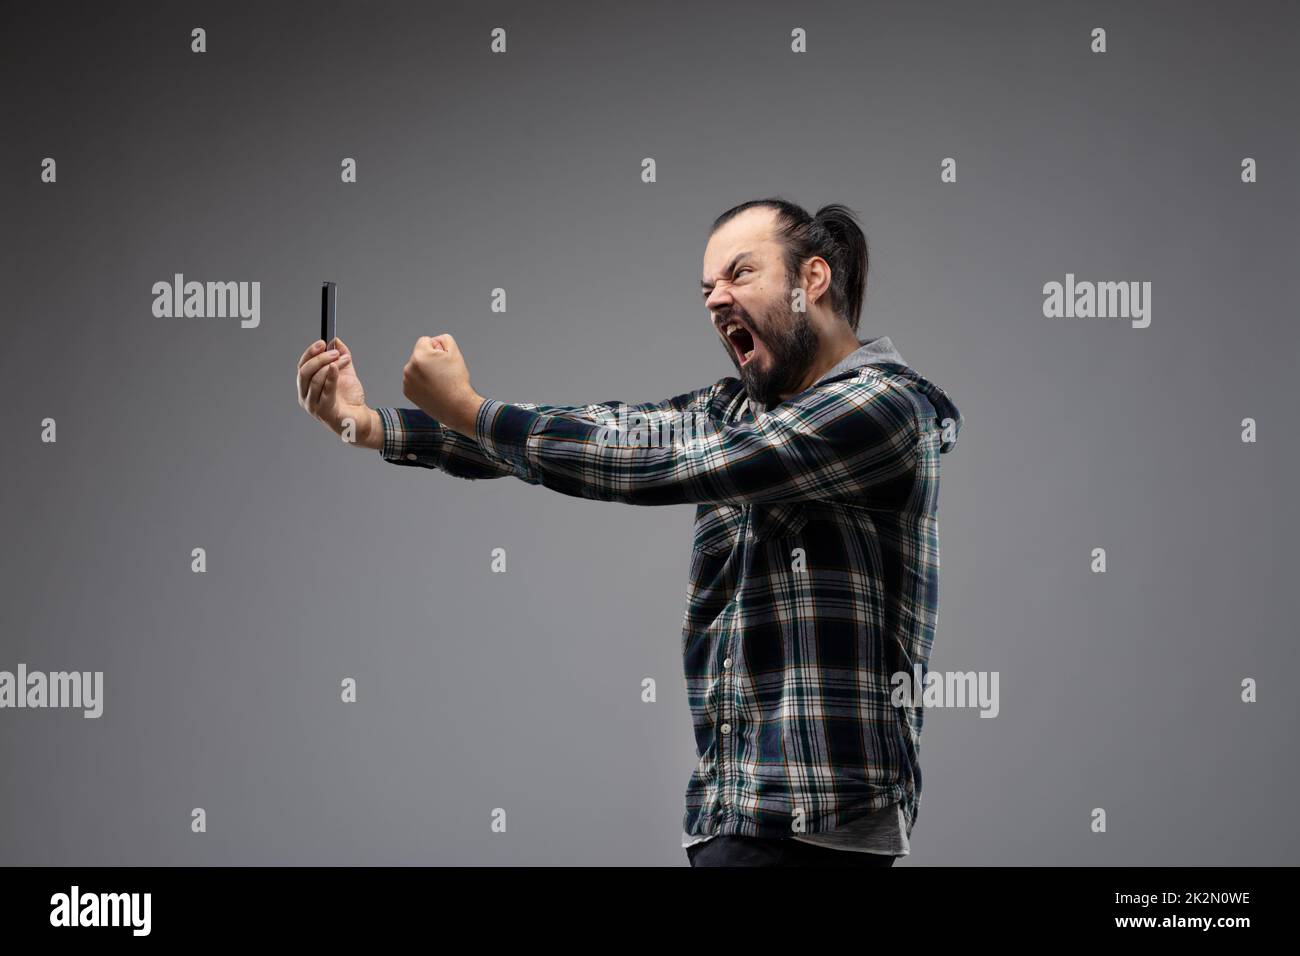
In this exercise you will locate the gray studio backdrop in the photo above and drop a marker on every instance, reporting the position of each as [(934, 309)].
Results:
[(522, 170)]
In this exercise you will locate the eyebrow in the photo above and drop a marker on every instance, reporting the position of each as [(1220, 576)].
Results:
[(706, 285)]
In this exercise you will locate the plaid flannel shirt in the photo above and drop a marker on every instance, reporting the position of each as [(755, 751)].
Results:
[(813, 575)]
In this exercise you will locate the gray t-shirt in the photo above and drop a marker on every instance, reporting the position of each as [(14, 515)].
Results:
[(880, 831)]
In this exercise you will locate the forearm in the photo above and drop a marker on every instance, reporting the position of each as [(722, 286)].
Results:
[(460, 418), (411, 437)]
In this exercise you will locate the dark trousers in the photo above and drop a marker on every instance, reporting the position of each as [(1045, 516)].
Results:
[(730, 850)]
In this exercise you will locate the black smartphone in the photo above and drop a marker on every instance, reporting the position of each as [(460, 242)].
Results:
[(329, 311)]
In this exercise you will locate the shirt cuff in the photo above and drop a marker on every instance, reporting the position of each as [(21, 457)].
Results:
[(502, 430), (410, 437)]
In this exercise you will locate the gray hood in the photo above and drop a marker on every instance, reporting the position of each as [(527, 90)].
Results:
[(880, 351)]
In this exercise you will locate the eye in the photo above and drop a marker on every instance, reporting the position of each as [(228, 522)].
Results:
[(735, 275)]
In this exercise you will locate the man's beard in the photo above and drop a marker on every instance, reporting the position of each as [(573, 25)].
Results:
[(792, 344)]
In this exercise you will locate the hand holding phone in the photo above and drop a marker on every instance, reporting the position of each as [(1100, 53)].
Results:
[(328, 386)]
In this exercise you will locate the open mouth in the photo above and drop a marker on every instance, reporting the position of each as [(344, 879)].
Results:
[(743, 342)]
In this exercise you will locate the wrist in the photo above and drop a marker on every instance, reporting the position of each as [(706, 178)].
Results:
[(463, 415), (370, 430)]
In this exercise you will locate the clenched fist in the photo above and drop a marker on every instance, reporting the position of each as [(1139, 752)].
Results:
[(436, 380)]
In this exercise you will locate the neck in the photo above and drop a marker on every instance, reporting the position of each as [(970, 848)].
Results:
[(835, 347)]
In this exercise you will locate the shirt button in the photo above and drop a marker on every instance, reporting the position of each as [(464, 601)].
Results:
[(725, 728), (727, 663), (410, 458)]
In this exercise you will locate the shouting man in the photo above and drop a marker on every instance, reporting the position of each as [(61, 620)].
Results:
[(814, 576)]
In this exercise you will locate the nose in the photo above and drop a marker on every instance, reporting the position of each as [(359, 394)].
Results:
[(719, 304)]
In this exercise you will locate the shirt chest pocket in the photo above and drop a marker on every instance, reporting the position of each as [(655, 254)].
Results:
[(772, 522), (717, 527)]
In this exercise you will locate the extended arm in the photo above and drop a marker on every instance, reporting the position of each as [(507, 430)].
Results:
[(855, 439), (411, 437)]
